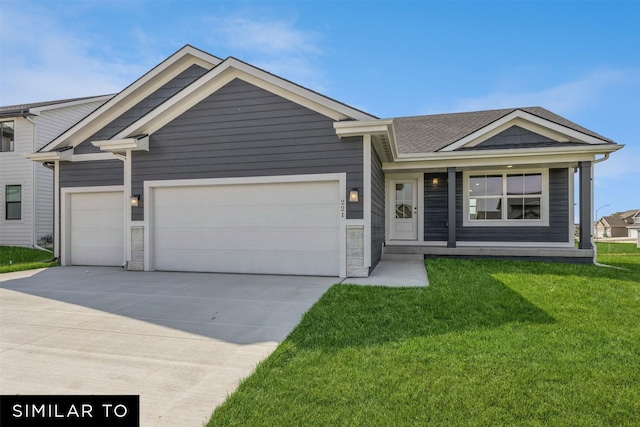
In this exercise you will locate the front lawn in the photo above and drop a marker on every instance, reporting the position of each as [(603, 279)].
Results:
[(15, 258), (487, 343)]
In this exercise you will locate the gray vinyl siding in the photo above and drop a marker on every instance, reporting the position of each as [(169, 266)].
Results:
[(435, 214), (517, 137), (435, 207), (91, 174), (377, 208), (244, 131), (141, 108), (557, 231)]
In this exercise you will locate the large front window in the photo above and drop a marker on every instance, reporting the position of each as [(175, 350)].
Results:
[(501, 198), (6, 134)]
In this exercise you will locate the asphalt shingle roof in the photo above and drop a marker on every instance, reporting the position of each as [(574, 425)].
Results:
[(427, 134)]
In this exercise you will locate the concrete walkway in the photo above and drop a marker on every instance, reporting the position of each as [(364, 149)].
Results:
[(181, 341), (396, 271)]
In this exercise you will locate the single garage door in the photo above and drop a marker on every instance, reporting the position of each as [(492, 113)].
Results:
[(97, 228), (275, 228)]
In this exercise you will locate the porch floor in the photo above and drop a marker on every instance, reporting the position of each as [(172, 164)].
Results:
[(572, 255)]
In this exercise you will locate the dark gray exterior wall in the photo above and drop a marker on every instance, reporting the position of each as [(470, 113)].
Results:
[(92, 174), (513, 137), (244, 131), (435, 207), (141, 108), (377, 208), (435, 214)]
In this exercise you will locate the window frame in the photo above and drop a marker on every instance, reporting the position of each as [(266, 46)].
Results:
[(504, 221), (7, 202), (12, 143)]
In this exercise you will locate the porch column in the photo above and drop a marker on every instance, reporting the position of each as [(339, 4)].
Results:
[(586, 223), (451, 207)]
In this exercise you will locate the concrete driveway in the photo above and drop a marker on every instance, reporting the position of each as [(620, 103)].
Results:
[(182, 341)]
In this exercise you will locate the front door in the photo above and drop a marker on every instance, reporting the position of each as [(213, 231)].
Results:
[(404, 223)]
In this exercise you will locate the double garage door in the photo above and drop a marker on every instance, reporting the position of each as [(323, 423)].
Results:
[(276, 228), (271, 228)]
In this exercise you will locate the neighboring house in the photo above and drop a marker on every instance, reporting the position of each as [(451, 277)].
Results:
[(619, 224), (206, 164), (26, 188)]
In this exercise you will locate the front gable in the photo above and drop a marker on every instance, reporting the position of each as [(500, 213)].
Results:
[(147, 86), (549, 130), (515, 137), (141, 108)]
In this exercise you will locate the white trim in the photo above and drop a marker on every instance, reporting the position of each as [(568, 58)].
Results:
[(504, 222), (149, 186), (366, 203), (357, 128), (506, 121), (482, 161), (224, 73), (120, 145), (65, 208), (138, 90)]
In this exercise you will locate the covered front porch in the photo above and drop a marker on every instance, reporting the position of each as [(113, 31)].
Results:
[(433, 213)]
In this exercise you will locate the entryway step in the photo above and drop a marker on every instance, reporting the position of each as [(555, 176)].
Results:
[(401, 257)]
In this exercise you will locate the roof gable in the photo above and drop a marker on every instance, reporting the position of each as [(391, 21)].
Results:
[(133, 94), (230, 69), (450, 132)]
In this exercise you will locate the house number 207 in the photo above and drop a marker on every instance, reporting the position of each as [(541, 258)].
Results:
[(343, 208)]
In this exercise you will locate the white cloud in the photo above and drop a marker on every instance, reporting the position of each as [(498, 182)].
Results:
[(266, 37), (276, 46), (50, 61), (565, 98)]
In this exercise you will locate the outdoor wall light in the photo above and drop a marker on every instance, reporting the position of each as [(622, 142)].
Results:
[(135, 200), (354, 196), (435, 180)]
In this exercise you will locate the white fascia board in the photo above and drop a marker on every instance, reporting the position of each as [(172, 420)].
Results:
[(50, 156), (300, 94), (356, 128), (489, 158), (555, 131), (131, 95), (38, 110), (121, 145), (221, 75)]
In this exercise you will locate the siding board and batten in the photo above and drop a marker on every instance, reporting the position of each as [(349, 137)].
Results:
[(377, 208)]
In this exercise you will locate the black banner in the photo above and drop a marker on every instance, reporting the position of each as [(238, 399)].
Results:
[(70, 411)]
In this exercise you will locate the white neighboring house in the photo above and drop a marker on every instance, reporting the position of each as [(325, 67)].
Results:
[(26, 187)]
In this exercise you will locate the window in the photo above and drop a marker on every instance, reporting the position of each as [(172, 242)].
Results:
[(505, 198), (6, 132), (13, 202)]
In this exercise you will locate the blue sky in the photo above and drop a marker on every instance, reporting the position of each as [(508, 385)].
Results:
[(580, 59)]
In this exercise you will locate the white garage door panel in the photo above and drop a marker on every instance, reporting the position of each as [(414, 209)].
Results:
[(282, 228), (97, 228)]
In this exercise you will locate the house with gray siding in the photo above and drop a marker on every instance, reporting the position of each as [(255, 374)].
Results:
[(26, 188), (213, 165)]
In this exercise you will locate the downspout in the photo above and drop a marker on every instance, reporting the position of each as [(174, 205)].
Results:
[(34, 211), (593, 243)]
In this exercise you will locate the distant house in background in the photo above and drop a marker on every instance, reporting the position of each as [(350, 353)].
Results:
[(618, 224), (26, 187)]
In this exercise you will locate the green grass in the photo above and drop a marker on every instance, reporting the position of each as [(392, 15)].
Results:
[(487, 343), (14, 258)]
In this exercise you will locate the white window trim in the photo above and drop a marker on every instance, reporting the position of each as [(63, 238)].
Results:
[(544, 200)]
